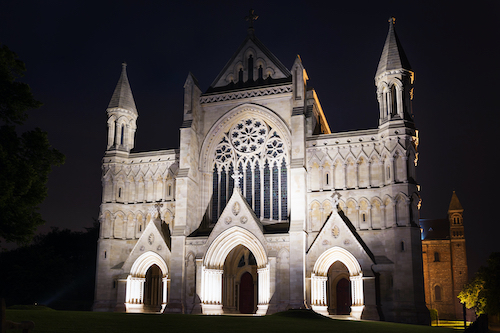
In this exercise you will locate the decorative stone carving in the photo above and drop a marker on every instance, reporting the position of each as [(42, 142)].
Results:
[(236, 209), (228, 220), (335, 231), (151, 239), (243, 219)]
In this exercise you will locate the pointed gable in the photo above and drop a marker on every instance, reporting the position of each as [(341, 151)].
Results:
[(339, 231), (122, 96), (393, 56), (266, 68), (155, 239), (238, 213)]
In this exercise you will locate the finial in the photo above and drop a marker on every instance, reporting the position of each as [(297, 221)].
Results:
[(236, 177), (392, 20), (251, 17), (124, 64)]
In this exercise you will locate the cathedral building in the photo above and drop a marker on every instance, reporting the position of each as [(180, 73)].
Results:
[(262, 208), (445, 261)]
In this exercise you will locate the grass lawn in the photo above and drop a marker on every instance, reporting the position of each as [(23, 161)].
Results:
[(291, 321)]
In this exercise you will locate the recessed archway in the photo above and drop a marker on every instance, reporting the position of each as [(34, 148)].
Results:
[(319, 279), (213, 269), (147, 284)]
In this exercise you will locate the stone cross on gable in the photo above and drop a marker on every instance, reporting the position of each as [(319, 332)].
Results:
[(236, 177)]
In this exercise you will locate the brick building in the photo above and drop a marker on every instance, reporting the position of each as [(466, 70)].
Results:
[(445, 261)]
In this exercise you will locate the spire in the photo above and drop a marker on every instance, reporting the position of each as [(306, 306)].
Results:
[(393, 56), (455, 203), (122, 97)]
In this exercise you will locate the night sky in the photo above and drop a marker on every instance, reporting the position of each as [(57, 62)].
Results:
[(74, 49)]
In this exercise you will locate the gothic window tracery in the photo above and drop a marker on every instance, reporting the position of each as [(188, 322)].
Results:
[(259, 154)]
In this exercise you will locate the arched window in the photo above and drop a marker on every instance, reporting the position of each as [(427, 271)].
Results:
[(122, 134), (260, 72), (169, 189), (259, 154), (436, 256), (119, 192), (240, 75), (250, 68), (327, 179), (394, 101), (402, 246), (437, 293)]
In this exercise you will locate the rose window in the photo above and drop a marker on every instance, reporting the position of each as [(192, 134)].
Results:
[(248, 135)]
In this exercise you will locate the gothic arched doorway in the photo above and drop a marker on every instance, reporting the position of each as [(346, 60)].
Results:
[(333, 265), (153, 289), (339, 289), (239, 277)]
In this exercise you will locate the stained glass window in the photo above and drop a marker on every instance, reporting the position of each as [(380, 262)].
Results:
[(223, 193), (267, 191), (215, 195), (249, 144), (275, 192), (257, 189), (231, 183), (284, 188), (248, 192)]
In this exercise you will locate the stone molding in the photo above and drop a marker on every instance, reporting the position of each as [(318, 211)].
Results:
[(246, 94)]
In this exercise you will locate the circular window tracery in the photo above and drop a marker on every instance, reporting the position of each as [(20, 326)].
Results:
[(224, 152), (248, 135), (275, 146)]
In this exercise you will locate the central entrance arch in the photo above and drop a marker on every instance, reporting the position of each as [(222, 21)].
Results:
[(239, 294), (229, 245)]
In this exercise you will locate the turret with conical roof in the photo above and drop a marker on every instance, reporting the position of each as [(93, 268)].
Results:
[(122, 115), (394, 80), (455, 216)]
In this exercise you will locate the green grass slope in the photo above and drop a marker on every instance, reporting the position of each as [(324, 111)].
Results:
[(290, 321)]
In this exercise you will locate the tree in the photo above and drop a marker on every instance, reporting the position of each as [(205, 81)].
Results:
[(483, 292), (57, 270), (25, 159)]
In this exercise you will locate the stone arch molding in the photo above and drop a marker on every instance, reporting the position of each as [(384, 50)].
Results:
[(228, 240), (213, 268), (146, 260), (329, 257), (230, 118), (134, 293), (319, 279)]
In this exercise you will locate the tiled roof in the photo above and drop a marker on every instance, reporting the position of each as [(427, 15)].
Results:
[(393, 56), (122, 96)]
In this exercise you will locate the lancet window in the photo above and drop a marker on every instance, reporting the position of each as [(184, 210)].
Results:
[(258, 153)]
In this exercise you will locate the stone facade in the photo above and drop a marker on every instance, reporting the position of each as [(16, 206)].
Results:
[(262, 208), (445, 261)]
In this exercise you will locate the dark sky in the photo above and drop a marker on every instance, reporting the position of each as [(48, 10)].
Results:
[(73, 51)]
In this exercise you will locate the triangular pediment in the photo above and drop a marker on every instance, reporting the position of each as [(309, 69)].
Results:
[(273, 71), (238, 213), (339, 231), (152, 239)]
